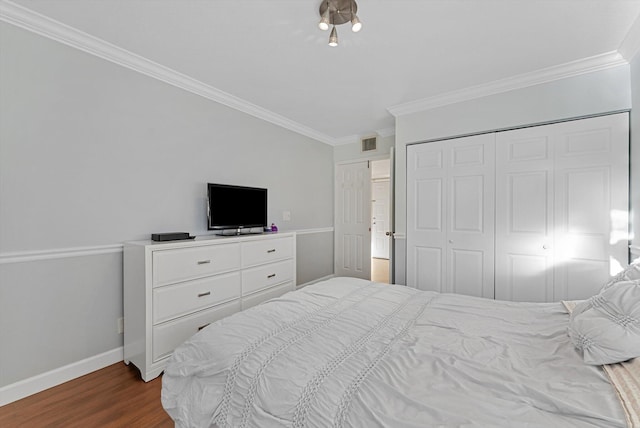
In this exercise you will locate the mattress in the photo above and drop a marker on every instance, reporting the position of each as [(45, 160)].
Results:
[(353, 353)]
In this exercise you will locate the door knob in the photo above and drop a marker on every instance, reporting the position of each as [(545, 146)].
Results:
[(388, 233)]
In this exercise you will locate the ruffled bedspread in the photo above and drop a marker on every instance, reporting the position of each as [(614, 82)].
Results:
[(625, 378), (351, 353)]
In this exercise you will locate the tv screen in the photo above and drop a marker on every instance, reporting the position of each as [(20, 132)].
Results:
[(236, 207)]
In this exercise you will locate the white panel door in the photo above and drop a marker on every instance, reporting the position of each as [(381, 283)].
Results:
[(352, 222), (524, 215), (380, 226), (470, 222), (561, 208), (426, 205), (450, 224), (392, 201), (591, 204)]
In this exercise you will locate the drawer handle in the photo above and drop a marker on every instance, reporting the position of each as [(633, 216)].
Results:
[(204, 262), (271, 276), (273, 250), (203, 326), (204, 294)]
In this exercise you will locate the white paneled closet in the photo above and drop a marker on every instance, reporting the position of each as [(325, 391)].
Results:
[(534, 214), (450, 222)]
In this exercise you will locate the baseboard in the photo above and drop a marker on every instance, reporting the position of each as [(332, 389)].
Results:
[(33, 385), (299, 286)]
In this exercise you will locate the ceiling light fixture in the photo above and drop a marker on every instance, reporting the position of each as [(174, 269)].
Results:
[(333, 38), (338, 12), (324, 20)]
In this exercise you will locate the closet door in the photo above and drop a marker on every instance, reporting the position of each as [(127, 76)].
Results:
[(561, 208), (524, 215), (591, 204), (450, 224)]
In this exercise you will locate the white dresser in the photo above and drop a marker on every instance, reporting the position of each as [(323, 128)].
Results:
[(174, 289)]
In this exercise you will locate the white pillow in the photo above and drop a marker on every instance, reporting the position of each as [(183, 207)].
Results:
[(606, 327), (629, 273)]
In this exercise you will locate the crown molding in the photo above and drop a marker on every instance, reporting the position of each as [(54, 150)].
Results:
[(386, 132), (630, 46), (545, 75), (44, 26), (349, 139)]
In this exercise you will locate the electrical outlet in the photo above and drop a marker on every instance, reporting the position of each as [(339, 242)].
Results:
[(120, 325), (286, 215)]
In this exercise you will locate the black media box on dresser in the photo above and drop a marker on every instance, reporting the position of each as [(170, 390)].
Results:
[(170, 236)]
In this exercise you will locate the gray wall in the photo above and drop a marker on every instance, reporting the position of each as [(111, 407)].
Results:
[(587, 94), (315, 253), (93, 154), (635, 152)]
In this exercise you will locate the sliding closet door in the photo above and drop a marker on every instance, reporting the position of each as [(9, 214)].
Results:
[(561, 208), (426, 202), (591, 204), (450, 224), (524, 215)]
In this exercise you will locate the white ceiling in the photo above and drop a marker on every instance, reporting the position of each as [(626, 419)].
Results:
[(271, 54)]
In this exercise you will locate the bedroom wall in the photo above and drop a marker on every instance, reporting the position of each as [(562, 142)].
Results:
[(587, 94), (635, 154), (93, 154)]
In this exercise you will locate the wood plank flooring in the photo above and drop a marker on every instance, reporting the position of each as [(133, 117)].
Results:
[(115, 396), (380, 270)]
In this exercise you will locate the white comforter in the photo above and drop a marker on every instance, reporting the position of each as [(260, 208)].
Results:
[(351, 353)]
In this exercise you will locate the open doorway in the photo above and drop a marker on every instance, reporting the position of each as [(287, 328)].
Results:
[(380, 219)]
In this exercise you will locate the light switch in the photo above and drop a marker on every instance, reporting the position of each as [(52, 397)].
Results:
[(286, 215)]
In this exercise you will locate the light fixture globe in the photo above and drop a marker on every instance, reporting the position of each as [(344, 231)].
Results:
[(356, 25), (333, 38), (324, 20), (338, 12)]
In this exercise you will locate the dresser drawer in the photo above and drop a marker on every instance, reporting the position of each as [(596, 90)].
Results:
[(266, 276), (270, 293), (172, 301), (265, 251), (182, 264), (168, 336)]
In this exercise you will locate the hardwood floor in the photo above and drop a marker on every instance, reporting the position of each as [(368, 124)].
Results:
[(115, 396), (380, 270)]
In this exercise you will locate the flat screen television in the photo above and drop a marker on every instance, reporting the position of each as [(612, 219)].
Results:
[(236, 207)]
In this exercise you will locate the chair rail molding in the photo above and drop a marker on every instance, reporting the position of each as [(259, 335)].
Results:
[(312, 231), (63, 253), (58, 253)]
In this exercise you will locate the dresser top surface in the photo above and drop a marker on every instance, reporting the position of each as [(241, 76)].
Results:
[(211, 239)]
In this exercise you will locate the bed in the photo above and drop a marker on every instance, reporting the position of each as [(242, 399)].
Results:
[(353, 353)]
